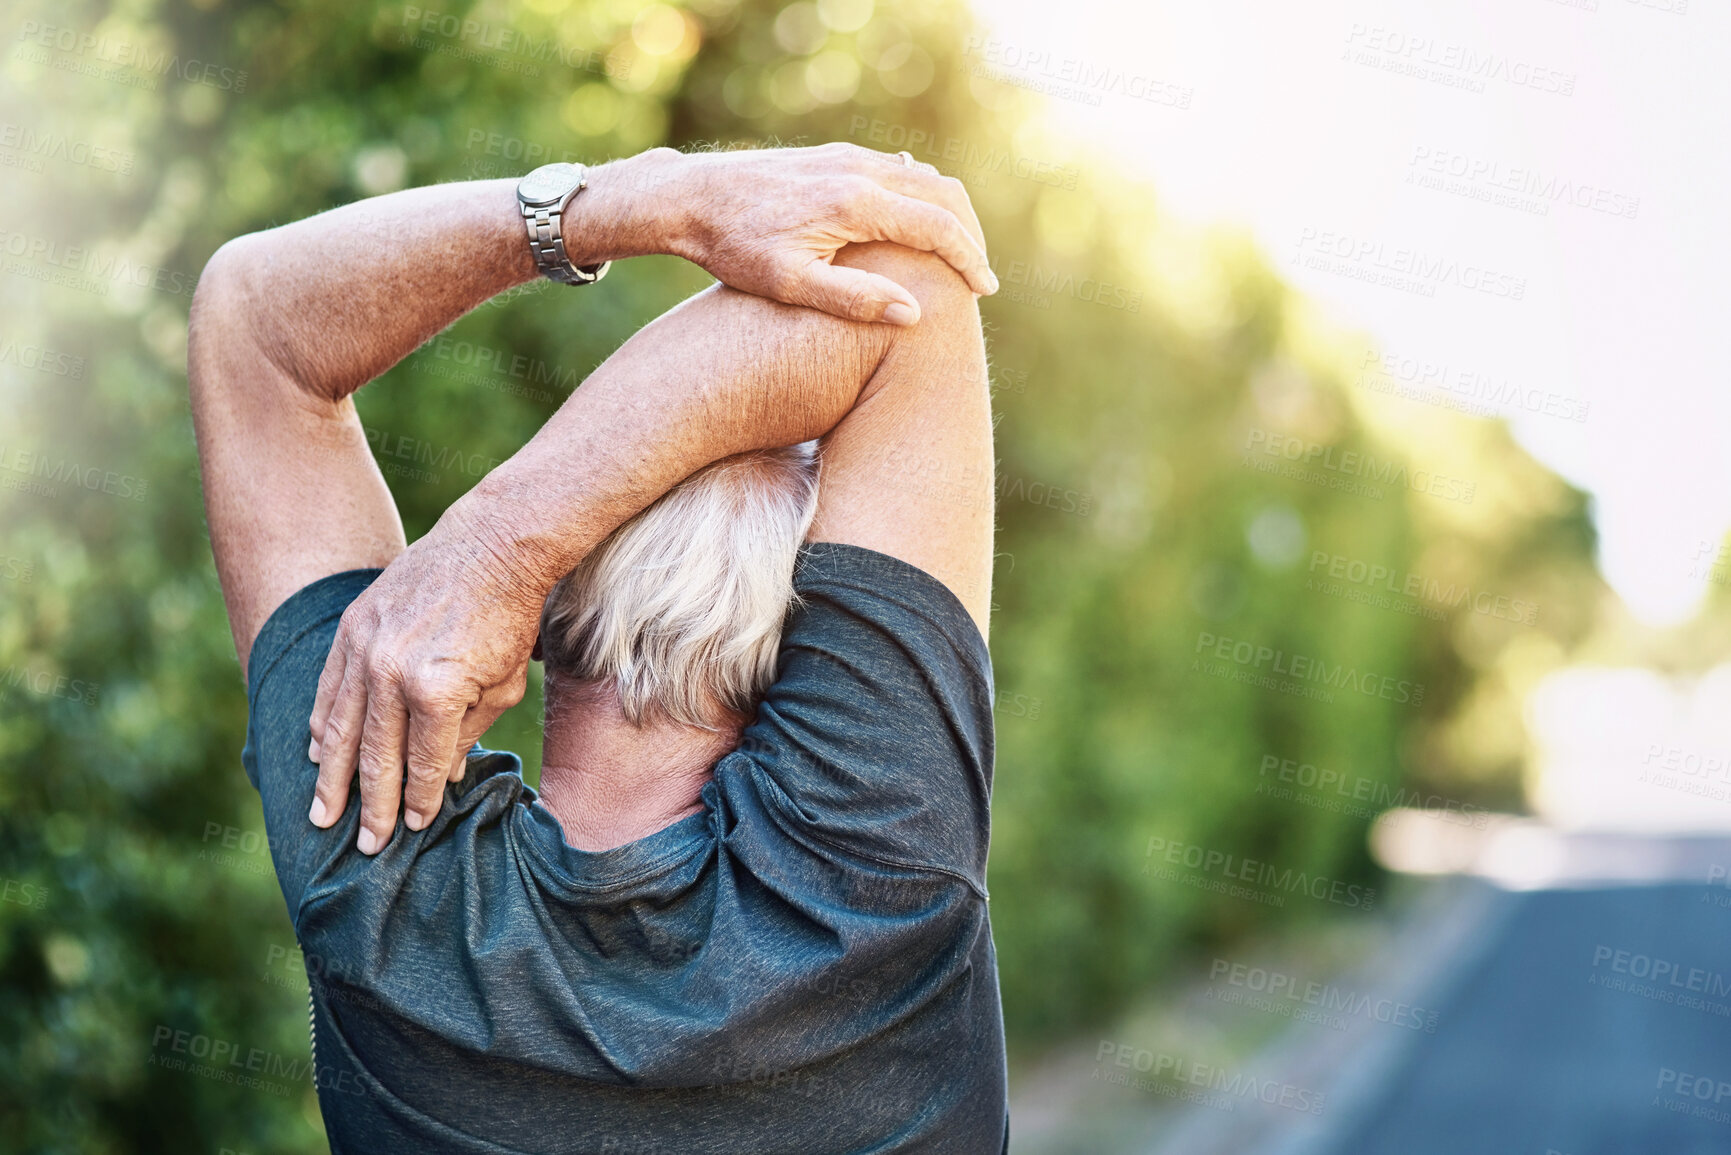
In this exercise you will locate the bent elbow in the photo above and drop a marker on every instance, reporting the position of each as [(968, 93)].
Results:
[(222, 284), (232, 332), (219, 312)]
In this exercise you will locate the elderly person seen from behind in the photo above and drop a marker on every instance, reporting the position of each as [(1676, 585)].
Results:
[(745, 910)]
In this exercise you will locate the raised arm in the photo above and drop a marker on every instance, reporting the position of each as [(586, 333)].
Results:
[(287, 323), (443, 636)]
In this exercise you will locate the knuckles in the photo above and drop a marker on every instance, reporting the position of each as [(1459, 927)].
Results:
[(858, 190), (427, 774), (336, 734), (429, 687), (383, 669), (845, 150), (861, 303)]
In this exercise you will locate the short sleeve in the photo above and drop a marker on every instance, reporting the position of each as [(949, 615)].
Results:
[(876, 736), (282, 680)]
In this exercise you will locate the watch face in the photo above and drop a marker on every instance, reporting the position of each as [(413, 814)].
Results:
[(549, 183)]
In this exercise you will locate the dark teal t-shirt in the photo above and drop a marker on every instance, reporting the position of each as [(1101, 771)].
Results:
[(804, 966)]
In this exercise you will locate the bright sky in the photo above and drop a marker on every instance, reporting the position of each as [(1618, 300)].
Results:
[(1304, 124)]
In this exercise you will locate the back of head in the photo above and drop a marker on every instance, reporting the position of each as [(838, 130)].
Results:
[(680, 610)]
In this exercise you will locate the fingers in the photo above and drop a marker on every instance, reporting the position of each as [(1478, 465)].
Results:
[(460, 759), (443, 723), (495, 700), (919, 224), (476, 722), (916, 179), (858, 295), (337, 753), (329, 682), (381, 765), (433, 732), (377, 720), (928, 184)]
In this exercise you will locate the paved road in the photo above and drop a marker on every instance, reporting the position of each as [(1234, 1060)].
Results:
[(1571, 1031), (1582, 990), (1582, 984)]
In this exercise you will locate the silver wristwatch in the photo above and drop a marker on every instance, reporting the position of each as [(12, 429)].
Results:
[(543, 195)]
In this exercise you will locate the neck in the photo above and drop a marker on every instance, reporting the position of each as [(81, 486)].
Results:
[(609, 782)]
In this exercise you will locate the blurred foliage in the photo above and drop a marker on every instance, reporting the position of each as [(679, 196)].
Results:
[(137, 893)]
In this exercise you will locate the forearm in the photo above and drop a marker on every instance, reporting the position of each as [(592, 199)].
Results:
[(724, 373), (336, 299)]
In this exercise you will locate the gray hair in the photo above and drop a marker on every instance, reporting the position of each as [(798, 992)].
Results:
[(680, 609)]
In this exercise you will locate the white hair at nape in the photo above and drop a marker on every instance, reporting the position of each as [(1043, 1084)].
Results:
[(680, 610)]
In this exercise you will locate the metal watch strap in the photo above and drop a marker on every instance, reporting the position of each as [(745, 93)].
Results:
[(547, 242)]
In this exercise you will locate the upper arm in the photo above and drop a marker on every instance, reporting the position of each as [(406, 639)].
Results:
[(291, 493), (908, 472)]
